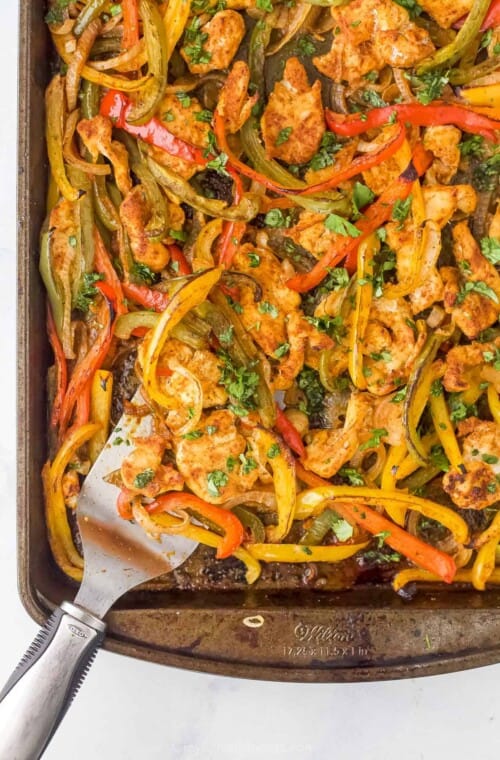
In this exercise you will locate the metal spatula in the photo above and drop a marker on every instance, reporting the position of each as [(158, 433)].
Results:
[(118, 556)]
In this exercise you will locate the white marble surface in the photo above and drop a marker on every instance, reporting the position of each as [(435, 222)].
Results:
[(129, 709)]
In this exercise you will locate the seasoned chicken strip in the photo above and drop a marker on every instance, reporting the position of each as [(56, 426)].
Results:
[(135, 214), (96, 134), (143, 473), (224, 33), (472, 363), (446, 12), (216, 465), (367, 35), (293, 121), (235, 104), (443, 142), (478, 487)]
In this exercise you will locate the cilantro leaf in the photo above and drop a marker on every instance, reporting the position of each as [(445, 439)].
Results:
[(341, 226)]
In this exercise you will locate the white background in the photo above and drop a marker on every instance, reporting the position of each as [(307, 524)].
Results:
[(129, 709)]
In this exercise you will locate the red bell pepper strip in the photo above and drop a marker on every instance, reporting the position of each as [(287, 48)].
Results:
[(358, 165), (124, 504), (289, 433), (139, 332), (232, 231), (177, 256), (61, 368), (374, 216), (436, 113), (82, 406), (104, 266), (491, 20), (116, 106), (130, 24), (146, 297), (224, 518), (91, 362), (409, 546)]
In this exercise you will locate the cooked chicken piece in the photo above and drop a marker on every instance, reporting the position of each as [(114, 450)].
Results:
[(328, 450), (63, 262), (301, 336), (443, 142), (179, 116), (442, 201), (478, 487), (201, 363), (431, 289), (390, 346), (293, 121), (185, 169), (388, 415), (142, 471), (266, 320), (446, 12), (215, 465), (224, 31), (135, 213), (176, 218), (71, 488), (471, 309), (380, 177), (471, 364), (96, 134), (310, 233), (235, 104), (472, 313), (369, 34)]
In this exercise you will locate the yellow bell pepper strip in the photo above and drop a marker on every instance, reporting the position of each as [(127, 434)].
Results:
[(54, 533), (55, 114), (61, 368), (445, 432), (364, 293), (418, 392), (491, 532), (273, 452), (85, 369), (435, 113), (223, 518), (174, 21), (243, 211), (301, 553), (90, 12), (101, 393), (203, 536), (448, 55), (494, 403), (398, 539), (54, 295), (484, 564), (311, 502), (415, 575), (110, 81), (409, 464), (147, 100), (389, 477), (487, 95), (193, 293), (57, 520)]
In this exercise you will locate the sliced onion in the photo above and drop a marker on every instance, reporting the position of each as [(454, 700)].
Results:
[(374, 470), (79, 60), (143, 519), (265, 500), (196, 406), (296, 18), (130, 60), (70, 154)]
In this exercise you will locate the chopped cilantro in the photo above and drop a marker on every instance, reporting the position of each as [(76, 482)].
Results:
[(283, 135), (430, 86), (477, 286), (72, 241), (193, 435), (493, 357), (333, 326), (458, 409), (341, 226), (142, 479), (183, 99), (489, 459), (240, 383), (361, 196), (143, 273), (472, 146), (282, 350), (268, 308), (218, 164), (310, 384), (211, 429), (264, 5), (401, 210), (490, 248), (253, 259), (194, 39), (178, 235), (382, 356), (204, 115), (413, 8), (306, 46), (324, 157), (273, 451), (437, 388), (373, 99), (276, 218), (485, 175), (226, 336), (55, 14), (375, 440), (216, 479), (486, 39), (399, 396), (354, 477), (87, 291)]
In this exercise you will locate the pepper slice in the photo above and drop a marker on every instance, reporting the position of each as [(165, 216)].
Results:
[(146, 297), (116, 106), (223, 518), (103, 265), (130, 24), (433, 114), (374, 216), (289, 432), (177, 256), (61, 368)]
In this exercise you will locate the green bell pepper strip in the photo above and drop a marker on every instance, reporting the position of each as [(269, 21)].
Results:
[(53, 292), (147, 100), (87, 15), (253, 523), (448, 55)]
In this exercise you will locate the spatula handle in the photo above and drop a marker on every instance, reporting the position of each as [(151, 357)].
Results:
[(40, 690)]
